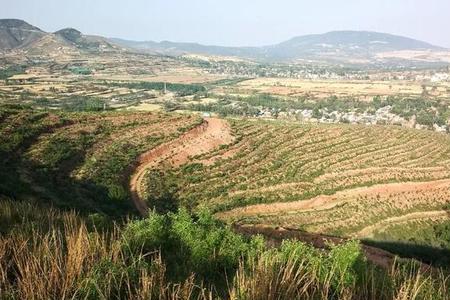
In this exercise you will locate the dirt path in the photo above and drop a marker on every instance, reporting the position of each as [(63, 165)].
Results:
[(369, 230), (323, 202), (204, 138)]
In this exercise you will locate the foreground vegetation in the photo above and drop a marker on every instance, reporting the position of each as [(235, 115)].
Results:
[(183, 256)]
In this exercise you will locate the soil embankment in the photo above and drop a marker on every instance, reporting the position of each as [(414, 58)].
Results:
[(204, 138)]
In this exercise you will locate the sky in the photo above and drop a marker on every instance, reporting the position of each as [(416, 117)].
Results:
[(235, 22)]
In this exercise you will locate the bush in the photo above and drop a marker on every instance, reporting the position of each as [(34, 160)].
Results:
[(146, 235), (209, 247), (117, 192), (189, 243), (347, 263)]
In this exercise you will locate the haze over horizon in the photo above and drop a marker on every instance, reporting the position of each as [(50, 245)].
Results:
[(235, 23)]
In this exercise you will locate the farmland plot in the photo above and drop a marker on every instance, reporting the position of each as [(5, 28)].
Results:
[(333, 179)]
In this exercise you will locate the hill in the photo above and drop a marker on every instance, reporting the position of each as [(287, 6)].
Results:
[(84, 42), (174, 48), (373, 41), (21, 36), (17, 33), (345, 44), (335, 48)]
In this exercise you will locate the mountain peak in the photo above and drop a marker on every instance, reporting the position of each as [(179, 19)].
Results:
[(16, 23), (70, 34), (15, 33)]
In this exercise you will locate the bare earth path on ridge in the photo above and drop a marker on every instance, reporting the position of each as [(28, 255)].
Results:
[(369, 230), (204, 138)]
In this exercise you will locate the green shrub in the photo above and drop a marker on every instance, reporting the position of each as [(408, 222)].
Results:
[(189, 243), (146, 235), (162, 187), (347, 263), (117, 193)]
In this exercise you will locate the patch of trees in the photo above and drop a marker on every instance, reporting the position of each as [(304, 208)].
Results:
[(83, 103), (11, 71), (179, 88), (80, 70), (225, 108)]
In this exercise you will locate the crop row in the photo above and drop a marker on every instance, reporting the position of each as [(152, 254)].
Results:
[(281, 162)]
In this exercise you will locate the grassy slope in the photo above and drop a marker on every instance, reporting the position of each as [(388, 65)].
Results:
[(79, 160)]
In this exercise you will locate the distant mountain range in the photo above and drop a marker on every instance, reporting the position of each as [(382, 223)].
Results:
[(360, 43), (338, 47)]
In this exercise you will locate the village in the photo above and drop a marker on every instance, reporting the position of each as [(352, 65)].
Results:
[(247, 69), (382, 116)]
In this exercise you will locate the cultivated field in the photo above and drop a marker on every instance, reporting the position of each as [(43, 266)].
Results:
[(331, 179), (360, 89)]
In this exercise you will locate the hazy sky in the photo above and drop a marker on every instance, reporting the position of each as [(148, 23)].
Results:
[(235, 22)]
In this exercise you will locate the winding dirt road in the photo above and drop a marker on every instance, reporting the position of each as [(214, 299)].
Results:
[(204, 138)]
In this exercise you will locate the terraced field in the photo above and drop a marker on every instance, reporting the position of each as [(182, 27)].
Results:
[(207, 136), (430, 231), (80, 160), (333, 179)]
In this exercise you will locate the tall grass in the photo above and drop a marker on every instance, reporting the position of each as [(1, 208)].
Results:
[(48, 254), (71, 262), (269, 276)]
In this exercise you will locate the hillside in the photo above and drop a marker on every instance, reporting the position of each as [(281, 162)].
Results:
[(328, 179), (78, 160), (55, 161), (340, 45), (84, 42), (174, 48)]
